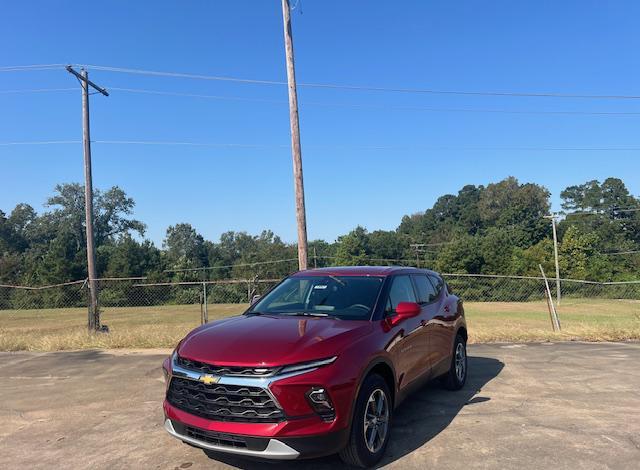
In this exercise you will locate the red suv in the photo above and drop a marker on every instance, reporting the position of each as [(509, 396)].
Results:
[(317, 365)]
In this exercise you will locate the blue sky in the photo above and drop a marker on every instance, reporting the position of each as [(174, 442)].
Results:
[(578, 47)]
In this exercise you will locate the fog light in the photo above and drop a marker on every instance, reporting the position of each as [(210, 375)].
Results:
[(321, 403)]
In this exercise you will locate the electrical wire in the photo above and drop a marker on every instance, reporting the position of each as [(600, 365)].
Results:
[(304, 103), (334, 147), (36, 90), (356, 87), (323, 85), (630, 252), (23, 68)]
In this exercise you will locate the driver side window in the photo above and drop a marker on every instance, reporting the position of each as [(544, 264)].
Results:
[(401, 291)]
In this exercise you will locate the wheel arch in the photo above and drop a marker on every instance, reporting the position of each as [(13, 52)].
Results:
[(462, 331), (383, 367)]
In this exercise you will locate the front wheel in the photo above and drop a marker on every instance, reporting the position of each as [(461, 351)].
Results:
[(371, 424), (457, 375)]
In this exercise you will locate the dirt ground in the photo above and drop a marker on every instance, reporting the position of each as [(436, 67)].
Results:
[(525, 406)]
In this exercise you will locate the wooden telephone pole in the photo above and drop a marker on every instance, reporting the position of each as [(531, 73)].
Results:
[(85, 83), (296, 151)]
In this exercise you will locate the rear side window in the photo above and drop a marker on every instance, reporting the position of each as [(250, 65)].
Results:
[(437, 282), (401, 291), (426, 291)]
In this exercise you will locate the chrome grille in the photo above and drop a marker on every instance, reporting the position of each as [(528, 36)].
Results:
[(226, 370), (224, 402)]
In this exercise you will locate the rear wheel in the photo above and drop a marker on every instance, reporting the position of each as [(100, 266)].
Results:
[(456, 377), (371, 424)]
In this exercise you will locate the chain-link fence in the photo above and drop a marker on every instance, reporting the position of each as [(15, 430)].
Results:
[(141, 313), (496, 288), (138, 292)]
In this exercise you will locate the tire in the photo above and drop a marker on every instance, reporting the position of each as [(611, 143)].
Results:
[(455, 378), (358, 452)]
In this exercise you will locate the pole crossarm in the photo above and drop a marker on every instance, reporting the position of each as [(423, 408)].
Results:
[(87, 81)]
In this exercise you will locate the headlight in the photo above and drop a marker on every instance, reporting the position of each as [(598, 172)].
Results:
[(304, 366)]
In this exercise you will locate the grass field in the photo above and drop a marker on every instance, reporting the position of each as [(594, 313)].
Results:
[(162, 327)]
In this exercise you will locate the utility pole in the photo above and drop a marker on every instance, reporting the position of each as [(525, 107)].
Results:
[(94, 313), (555, 253), (296, 151), (419, 248)]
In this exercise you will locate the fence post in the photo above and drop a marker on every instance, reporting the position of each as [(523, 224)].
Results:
[(205, 310)]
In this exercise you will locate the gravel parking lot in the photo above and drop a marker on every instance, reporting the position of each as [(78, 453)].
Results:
[(564, 405)]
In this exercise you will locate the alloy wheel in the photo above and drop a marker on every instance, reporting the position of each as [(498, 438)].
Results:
[(461, 362), (376, 420)]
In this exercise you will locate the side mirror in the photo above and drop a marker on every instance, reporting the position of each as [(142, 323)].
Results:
[(405, 310), (254, 299)]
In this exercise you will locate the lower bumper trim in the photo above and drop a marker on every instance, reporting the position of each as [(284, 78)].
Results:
[(275, 449)]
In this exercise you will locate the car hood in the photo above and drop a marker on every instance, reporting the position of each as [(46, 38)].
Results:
[(249, 340)]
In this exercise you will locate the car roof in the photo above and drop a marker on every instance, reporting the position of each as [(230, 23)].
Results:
[(381, 271)]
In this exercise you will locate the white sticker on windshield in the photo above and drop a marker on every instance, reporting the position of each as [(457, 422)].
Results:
[(320, 286)]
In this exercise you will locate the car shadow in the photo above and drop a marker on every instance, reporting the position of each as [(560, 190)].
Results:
[(421, 417)]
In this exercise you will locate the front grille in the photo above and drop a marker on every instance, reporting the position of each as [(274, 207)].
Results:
[(216, 438), (224, 402), (226, 370)]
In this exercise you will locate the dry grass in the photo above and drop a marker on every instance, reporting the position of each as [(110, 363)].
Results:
[(162, 327), (581, 319)]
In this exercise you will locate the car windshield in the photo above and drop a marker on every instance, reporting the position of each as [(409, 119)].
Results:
[(344, 297)]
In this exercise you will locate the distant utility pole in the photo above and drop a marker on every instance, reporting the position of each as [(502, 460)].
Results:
[(296, 151), (419, 248), (555, 253), (85, 83)]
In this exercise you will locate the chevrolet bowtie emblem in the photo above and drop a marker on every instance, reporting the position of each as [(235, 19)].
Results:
[(209, 379)]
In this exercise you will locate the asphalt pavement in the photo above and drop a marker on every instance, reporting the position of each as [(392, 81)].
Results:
[(525, 406)]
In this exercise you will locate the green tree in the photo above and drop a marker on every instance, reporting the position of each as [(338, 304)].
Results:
[(352, 248), (575, 250), (185, 248)]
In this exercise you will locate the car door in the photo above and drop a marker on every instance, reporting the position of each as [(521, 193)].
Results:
[(440, 327), (429, 305), (410, 344)]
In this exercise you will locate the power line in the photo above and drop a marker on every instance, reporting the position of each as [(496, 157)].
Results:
[(24, 68), (607, 211), (209, 268), (622, 252), (339, 105), (323, 85), (182, 75), (332, 147), (35, 90), (356, 87), (42, 142), (381, 107), (197, 95)]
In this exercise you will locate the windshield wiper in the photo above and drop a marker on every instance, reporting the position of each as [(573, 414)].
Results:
[(309, 314), (254, 312)]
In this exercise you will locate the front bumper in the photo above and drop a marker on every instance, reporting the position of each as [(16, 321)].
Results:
[(260, 447), (274, 449)]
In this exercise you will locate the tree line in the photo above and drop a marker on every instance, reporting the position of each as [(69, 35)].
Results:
[(494, 229)]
